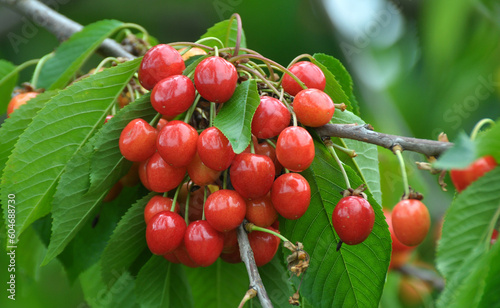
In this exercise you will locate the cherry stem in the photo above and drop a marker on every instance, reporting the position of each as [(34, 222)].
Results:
[(224, 179), (155, 120), (399, 155), (294, 118), (252, 146), (204, 200), (256, 73), (238, 32), (257, 67), (38, 68), (329, 145), (216, 51), (186, 208), (104, 62), (191, 109), (191, 44), (144, 32), (251, 227), (266, 60), (208, 39), (349, 152), (176, 195), (251, 293), (212, 114), (297, 58), (480, 125), (271, 143)]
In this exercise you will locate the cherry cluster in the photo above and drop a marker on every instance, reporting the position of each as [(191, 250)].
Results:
[(198, 225)]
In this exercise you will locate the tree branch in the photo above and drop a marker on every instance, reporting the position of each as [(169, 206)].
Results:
[(366, 134), (59, 25), (253, 273)]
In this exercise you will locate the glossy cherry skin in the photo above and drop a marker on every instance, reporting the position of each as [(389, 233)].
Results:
[(353, 219), (270, 118), (268, 150), (171, 257), (173, 95), (295, 148), (108, 117), (159, 62), (264, 246), (177, 143), (203, 243), (162, 177), (225, 210), (132, 177), (230, 241), (200, 174), (411, 222), (137, 140), (113, 192), (165, 232), (214, 149), (309, 73), (232, 257), (215, 79), (400, 253), (462, 178), (494, 237), (313, 107), (143, 173), (156, 205), (183, 256), (291, 195), (261, 211), (252, 175), (19, 100), (161, 124)]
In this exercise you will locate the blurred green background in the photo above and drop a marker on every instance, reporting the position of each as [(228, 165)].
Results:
[(419, 67)]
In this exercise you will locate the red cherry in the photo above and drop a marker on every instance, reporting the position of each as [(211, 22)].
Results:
[(182, 255), (268, 150), (462, 178), (200, 174), (159, 62), (261, 212), (214, 149), (156, 205), (313, 107), (19, 100), (307, 72), (162, 177), (232, 257), (264, 246), (295, 148), (171, 257), (225, 210), (203, 243), (195, 203), (176, 143), (164, 232), (215, 79), (252, 175), (397, 246), (137, 140), (411, 221), (353, 219), (143, 173), (270, 118), (173, 95), (230, 241), (291, 195), (161, 124), (108, 117), (494, 237), (113, 192)]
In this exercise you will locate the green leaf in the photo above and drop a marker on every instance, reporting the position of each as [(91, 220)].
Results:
[(469, 222), (57, 132), (356, 273), (461, 155), (8, 80), (227, 35), (163, 284), (118, 293), (88, 244), (14, 126), (127, 242), (488, 142), (235, 117), (108, 164), (337, 76), (59, 70), (366, 163), (491, 296), (220, 285)]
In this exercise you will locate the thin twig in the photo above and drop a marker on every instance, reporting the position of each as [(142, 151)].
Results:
[(366, 134), (253, 273), (59, 25)]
